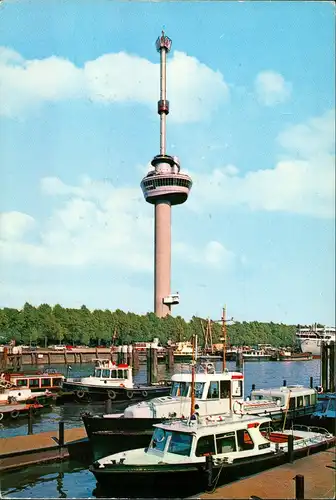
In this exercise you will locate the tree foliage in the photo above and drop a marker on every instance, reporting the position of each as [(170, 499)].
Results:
[(45, 325)]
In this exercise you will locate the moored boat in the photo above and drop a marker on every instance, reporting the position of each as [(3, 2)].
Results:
[(179, 454), (215, 393), (13, 411), (325, 414), (256, 355), (313, 337), (112, 381), (287, 355), (36, 381)]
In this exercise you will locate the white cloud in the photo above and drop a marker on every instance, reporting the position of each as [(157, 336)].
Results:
[(13, 225), (96, 223), (214, 254), (194, 89), (304, 184), (271, 88)]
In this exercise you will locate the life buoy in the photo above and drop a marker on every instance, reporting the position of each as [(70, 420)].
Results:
[(14, 414), (144, 394), (111, 394), (1, 416), (129, 394), (238, 407), (122, 385), (320, 389), (80, 394)]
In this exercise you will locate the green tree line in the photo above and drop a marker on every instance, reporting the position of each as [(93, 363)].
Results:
[(46, 325)]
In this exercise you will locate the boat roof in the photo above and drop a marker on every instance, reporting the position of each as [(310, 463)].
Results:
[(217, 423), (278, 391), (205, 377), (37, 375)]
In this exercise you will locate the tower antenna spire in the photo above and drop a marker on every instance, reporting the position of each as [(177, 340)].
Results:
[(163, 45), (164, 187)]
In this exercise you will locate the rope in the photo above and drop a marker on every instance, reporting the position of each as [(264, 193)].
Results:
[(215, 481)]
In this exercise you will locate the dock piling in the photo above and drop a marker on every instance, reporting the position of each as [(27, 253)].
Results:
[(284, 383), (169, 358), (299, 487), (328, 367), (61, 433), (209, 471), (290, 448), (30, 420), (135, 359), (130, 355), (152, 365), (311, 384), (108, 406)]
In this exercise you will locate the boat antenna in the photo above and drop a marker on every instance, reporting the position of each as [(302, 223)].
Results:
[(193, 363)]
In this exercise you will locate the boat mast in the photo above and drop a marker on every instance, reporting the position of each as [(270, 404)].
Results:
[(193, 363), (224, 337)]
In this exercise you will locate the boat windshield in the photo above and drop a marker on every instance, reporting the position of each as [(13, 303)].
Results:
[(182, 389), (322, 405), (179, 444), (159, 439)]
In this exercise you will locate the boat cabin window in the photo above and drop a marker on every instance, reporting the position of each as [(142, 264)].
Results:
[(159, 439), (98, 373), (257, 397), (299, 401), (121, 374), (291, 403), (226, 443), (180, 389), (307, 400), (205, 446), (106, 373), (213, 392), (34, 382), (244, 440), (237, 389), (199, 387), (180, 443), (23, 382), (114, 374), (225, 386), (57, 382), (313, 399), (46, 382)]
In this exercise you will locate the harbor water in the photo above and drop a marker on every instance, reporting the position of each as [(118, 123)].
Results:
[(70, 479)]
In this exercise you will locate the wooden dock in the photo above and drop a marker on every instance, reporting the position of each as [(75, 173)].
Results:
[(20, 451), (319, 480)]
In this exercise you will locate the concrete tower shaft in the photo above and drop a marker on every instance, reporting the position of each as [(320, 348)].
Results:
[(163, 187)]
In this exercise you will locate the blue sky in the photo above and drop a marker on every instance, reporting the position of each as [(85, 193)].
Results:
[(251, 87)]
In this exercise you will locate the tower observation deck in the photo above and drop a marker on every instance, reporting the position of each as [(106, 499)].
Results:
[(163, 187)]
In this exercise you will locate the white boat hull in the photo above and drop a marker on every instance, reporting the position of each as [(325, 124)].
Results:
[(311, 345)]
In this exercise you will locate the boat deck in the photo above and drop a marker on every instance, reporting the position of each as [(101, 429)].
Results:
[(319, 480), (8, 408)]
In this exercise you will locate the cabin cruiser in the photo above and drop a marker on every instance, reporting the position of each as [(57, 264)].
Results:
[(215, 393), (112, 381), (179, 452)]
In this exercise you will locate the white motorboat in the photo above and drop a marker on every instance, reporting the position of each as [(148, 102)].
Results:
[(179, 452)]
